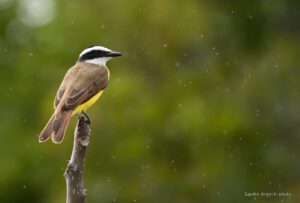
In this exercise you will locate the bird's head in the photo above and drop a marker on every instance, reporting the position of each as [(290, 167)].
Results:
[(97, 55)]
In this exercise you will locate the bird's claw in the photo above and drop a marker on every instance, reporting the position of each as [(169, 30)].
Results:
[(87, 118)]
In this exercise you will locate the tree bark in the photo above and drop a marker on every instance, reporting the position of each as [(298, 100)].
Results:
[(75, 169)]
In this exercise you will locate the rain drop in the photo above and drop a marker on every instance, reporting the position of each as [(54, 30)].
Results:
[(257, 113)]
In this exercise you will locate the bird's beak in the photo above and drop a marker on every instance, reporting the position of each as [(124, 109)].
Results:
[(113, 54)]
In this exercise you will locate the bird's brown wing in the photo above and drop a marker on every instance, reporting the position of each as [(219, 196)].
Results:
[(61, 90), (58, 97), (88, 81)]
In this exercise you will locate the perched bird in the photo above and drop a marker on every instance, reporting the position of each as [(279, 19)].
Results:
[(81, 87)]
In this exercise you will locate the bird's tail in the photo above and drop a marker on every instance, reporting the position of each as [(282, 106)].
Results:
[(56, 127)]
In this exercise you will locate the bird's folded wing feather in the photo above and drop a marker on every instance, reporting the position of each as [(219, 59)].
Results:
[(83, 84), (61, 90)]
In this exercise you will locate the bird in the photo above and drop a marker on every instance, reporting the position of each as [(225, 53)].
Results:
[(81, 87)]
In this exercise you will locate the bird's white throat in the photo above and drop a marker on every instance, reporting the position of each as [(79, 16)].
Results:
[(98, 61)]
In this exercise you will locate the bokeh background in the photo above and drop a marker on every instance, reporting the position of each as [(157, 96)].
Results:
[(202, 107)]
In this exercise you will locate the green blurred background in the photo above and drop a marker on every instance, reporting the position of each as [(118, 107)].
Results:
[(202, 107)]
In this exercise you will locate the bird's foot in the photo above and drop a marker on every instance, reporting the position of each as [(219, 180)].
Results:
[(87, 118)]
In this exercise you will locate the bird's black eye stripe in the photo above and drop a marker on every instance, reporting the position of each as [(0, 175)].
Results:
[(93, 54)]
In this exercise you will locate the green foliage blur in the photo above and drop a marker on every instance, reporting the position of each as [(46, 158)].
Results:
[(202, 107)]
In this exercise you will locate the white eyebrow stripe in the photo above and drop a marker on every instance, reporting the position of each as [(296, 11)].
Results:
[(94, 48)]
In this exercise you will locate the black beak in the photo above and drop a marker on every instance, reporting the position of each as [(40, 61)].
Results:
[(113, 54)]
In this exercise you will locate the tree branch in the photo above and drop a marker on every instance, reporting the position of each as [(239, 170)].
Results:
[(74, 172)]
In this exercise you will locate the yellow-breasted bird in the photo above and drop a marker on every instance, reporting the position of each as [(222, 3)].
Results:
[(81, 87)]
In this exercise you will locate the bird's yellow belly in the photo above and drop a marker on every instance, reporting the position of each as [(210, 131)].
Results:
[(86, 105)]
